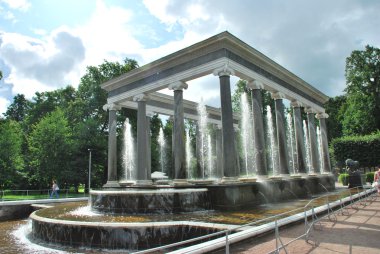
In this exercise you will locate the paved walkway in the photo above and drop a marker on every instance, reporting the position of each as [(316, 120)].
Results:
[(357, 231)]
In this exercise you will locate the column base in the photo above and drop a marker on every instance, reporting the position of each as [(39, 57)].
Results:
[(127, 183), (227, 180), (144, 183), (180, 182), (112, 184), (247, 179)]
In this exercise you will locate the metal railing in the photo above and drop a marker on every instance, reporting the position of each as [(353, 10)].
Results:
[(326, 205), (13, 195)]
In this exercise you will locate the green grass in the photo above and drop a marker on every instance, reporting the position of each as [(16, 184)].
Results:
[(14, 197)]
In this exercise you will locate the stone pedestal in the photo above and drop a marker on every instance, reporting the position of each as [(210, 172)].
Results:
[(112, 181), (299, 138), (179, 152), (325, 147), (228, 136), (313, 141), (258, 128), (142, 140), (281, 135)]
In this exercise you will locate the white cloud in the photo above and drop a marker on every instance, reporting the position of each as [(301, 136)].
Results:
[(22, 5), (311, 39), (4, 103), (40, 65)]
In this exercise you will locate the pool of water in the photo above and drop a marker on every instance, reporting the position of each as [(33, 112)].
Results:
[(13, 234)]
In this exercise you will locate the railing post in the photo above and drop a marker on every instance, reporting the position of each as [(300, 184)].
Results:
[(227, 243)]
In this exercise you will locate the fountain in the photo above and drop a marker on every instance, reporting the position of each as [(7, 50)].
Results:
[(189, 155), (203, 133), (320, 151), (162, 144), (307, 148), (246, 135), (290, 144), (128, 154), (273, 150), (147, 214)]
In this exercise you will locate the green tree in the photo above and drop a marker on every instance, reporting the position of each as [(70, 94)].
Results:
[(50, 150), (1, 75), (89, 121), (363, 83), (335, 108), (11, 159), (18, 109), (358, 118)]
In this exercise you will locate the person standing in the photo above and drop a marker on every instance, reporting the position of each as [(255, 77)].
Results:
[(376, 179), (55, 189)]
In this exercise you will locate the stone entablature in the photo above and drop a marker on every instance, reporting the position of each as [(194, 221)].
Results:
[(204, 58)]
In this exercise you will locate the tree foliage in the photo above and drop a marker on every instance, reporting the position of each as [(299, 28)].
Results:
[(11, 159), (363, 92), (50, 149)]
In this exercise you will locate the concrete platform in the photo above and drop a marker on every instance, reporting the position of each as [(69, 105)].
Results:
[(357, 231)]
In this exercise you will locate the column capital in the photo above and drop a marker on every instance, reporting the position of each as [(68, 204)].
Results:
[(277, 95), (141, 97), (310, 110), (224, 71), (255, 84), (111, 106), (296, 104), (178, 85), (150, 114), (321, 115)]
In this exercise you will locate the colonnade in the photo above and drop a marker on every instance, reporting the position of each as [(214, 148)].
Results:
[(225, 136)]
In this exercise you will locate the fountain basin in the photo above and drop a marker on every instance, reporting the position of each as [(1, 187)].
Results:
[(149, 201), (126, 236)]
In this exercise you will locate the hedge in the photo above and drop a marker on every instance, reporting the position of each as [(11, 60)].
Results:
[(365, 149)]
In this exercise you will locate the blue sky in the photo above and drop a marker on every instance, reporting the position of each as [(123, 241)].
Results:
[(47, 44)]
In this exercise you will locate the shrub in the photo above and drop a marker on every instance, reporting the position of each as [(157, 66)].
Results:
[(365, 149), (369, 176), (343, 178)]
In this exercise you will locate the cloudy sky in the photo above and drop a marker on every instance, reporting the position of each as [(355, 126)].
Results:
[(47, 44)]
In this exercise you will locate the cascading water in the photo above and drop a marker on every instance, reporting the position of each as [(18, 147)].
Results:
[(246, 134), (272, 142), (128, 156), (290, 144), (320, 150), (307, 147), (162, 144), (202, 112), (189, 155), (210, 166)]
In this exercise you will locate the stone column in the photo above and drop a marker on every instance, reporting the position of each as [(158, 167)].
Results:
[(149, 146), (229, 152), (179, 151), (112, 180), (281, 135), (325, 147), (299, 137), (313, 141), (142, 141), (219, 151), (258, 127)]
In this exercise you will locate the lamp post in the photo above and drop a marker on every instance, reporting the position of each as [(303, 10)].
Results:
[(89, 171)]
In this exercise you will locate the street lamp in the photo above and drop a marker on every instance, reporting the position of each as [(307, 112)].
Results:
[(89, 171)]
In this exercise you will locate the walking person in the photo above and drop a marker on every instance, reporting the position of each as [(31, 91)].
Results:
[(376, 180), (54, 189)]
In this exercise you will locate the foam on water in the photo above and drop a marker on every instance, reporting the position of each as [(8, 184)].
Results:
[(83, 211), (20, 236)]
